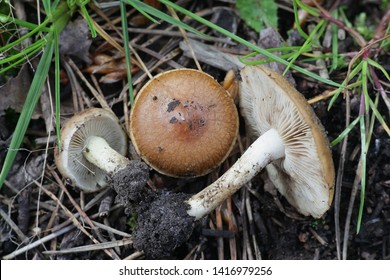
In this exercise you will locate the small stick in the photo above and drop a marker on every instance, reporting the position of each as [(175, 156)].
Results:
[(38, 242), (13, 226), (92, 247)]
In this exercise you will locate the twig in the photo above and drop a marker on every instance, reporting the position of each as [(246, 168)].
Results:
[(184, 34), (110, 229), (134, 255), (72, 217), (339, 179), (212, 56), (232, 228), (164, 59), (257, 254), (38, 242), (92, 247), (156, 55), (81, 212), (13, 226), (354, 192), (318, 237), (382, 26), (220, 247), (94, 92)]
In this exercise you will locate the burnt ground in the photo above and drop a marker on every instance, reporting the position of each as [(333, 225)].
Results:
[(37, 202)]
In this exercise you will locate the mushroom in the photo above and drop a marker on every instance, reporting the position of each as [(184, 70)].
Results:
[(292, 145), (93, 145), (183, 123)]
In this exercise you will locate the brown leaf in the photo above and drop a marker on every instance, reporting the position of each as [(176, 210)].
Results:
[(14, 92)]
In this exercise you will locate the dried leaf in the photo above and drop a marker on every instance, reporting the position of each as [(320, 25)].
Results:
[(14, 92), (75, 40)]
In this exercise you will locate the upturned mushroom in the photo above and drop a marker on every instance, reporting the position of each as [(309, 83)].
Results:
[(291, 144), (93, 145), (183, 123)]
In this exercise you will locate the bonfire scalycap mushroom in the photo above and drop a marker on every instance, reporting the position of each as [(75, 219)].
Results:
[(93, 144), (183, 123), (291, 144)]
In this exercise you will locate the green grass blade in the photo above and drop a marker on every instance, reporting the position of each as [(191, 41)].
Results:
[(127, 50), (57, 86), (140, 6), (28, 108), (311, 10), (136, 6), (378, 116), (380, 67), (248, 44), (363, 171), (19, 61), (308, 44), (88, 20), (46, 6), (33, 48), (24, 37), (365, 83), (297, 23), (26, 24), (335, 42), (345, 132), (353, 73)]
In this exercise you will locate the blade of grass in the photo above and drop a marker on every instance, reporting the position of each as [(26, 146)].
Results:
[(248, 44), (60, 17), (297, 23), (127, 50), (28, 108), (140, 6), (139, 9), (24, 37), (335, 42), (20, 61), (379, 116), (26, 24), (57, 87), (308, 44), (352, 74), (365, 83), (363, 171), (380, 67), (25, 52), (311, 10), (345, 132), (87, 17)]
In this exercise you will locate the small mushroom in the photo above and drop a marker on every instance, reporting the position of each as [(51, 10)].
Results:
[(291, 144), (93, 144), (183, 123)]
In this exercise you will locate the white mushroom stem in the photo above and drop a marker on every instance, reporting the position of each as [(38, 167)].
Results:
[(267, 148), (98, 152)]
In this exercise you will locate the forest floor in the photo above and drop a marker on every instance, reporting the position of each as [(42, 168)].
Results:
[(40, 210)]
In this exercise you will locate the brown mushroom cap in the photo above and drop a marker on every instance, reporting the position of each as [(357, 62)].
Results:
[(70, 160), (305, 175), (183, 123)]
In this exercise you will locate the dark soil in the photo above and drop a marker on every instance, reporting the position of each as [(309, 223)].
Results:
[(254, 223)]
